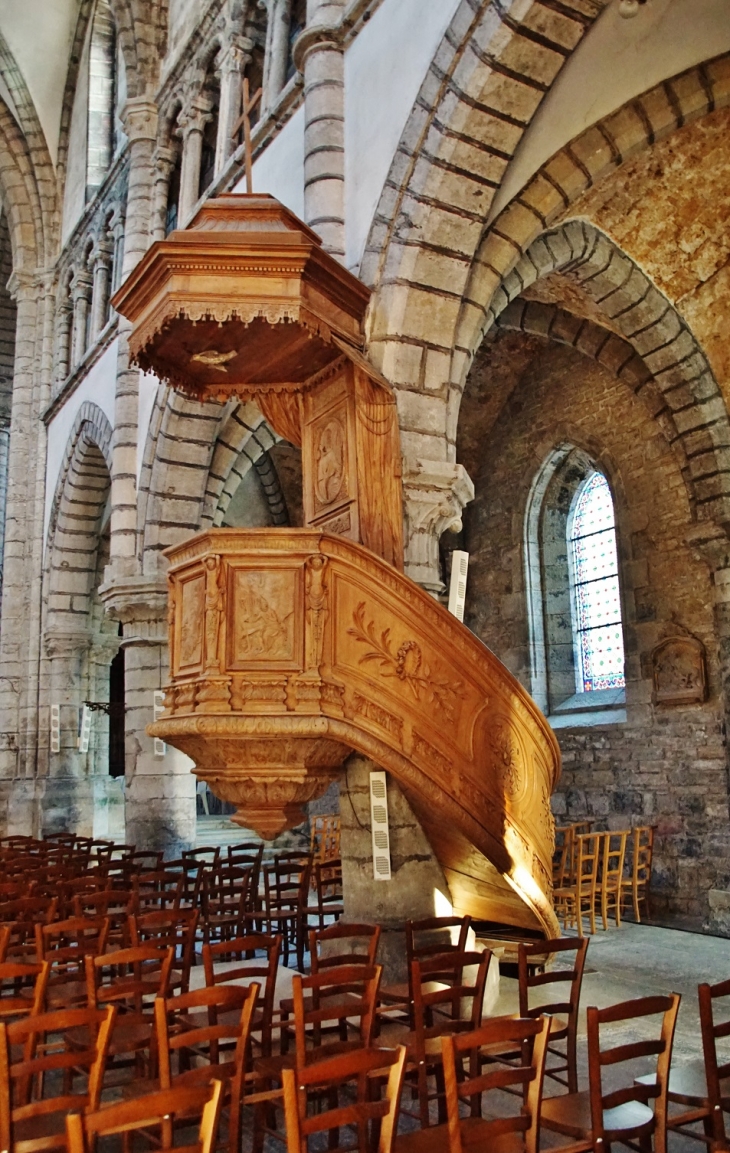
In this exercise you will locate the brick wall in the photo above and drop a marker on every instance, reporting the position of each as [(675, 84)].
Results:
[(666, 765)]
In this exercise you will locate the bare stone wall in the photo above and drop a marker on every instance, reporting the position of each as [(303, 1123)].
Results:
[(665, 766)]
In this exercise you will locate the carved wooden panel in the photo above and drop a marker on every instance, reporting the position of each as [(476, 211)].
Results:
[(265, 618), (188, 631)]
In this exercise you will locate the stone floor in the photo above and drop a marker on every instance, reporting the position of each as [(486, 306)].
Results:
[(635, 961)]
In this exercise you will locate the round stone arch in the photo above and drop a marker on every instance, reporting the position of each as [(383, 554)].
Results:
[(80, 499), (696, 416), (488, 77), (243, 443)]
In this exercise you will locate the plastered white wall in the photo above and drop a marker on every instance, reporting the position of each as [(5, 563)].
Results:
[(385, 66), (99, 387), (617, 61), (280, 168), (40, 34), (148, 385)]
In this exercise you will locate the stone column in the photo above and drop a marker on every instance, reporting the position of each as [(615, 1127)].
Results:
[(64, 321), (277, 51), (435, 494), (100, 291), (231, 63), (318, 54), (116, 232), (66, 799), (159, 788), (163, 164), (81, 296), (192, 124)]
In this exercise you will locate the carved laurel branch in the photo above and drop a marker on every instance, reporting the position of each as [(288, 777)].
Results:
[(406, 664)]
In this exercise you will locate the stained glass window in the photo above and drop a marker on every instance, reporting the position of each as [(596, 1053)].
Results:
[(595, 600)]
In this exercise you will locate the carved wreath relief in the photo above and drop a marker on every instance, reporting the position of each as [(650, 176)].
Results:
[(406, 664), (329, 457)]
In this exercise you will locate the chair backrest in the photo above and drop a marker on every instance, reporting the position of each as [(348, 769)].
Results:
[(342, 1000), (41, 909), (443, 996), (567, 1003), (643, 853), (612, 859), (529, 1037), (634, 1090), (34, 1051), (144, 860), (347, 1073), (563, 855), (192, 872), (244, 949), (433, 935), (168, 927), (195, 1026), (207, 854), (286, 884), (128, 977), (325, 836), (151, 1109), (66, 943), (587, 855), (712, 1031), (338, 945), (23, 988), (328, 883), (159, 889)]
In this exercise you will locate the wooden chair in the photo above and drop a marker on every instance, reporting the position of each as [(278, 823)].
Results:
[(502, 1130), (562, 1013), (578, 899), (327, 879), (597, 1117), (159, 889), (637, 885), (193, 872), (563, 856), (143, 860), (175, 928), (244, 949), (325, 837), (334, 1014), (115, 905), (343, 943), (227, 898), (22, 989), (286, 891), (208, 855), (702, 1087), (65, 945), (424, 938), (130, 979), (33, 1054), (158, 1110), (360, 1109), (608, 887), (202, 1037), (443, 1002)]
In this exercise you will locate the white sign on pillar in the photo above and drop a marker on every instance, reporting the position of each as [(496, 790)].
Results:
[(55, 728), (457, 587), (379, 826), (158, 708), (84, 729)]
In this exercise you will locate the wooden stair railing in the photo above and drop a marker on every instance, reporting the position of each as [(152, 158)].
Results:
[(290, 648)]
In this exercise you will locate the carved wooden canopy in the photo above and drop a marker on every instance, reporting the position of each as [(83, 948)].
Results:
[(243, 301)]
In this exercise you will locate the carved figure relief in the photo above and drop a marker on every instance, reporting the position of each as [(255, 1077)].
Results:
[(190, 647), (214, 605), (329, 456), (406, 664), (264, 608), (316, 608), (679, 670)]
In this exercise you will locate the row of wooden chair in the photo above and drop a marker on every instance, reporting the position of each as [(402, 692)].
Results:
[(589, 874)]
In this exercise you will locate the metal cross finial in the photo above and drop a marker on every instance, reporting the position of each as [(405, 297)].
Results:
[(245, 120)]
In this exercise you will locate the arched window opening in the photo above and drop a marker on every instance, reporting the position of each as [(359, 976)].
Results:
[(595, 598), (173, 194), (573, 592), (102, 97), (297, 24), (212, 92)]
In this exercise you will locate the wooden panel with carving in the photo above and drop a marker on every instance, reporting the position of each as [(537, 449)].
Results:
[(323, 649)]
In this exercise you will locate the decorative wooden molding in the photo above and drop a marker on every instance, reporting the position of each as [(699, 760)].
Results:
[(679, 671), (311, 646)]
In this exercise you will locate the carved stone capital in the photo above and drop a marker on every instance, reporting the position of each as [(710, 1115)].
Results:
[(140, 117), (435, 493), (23, 284), (140, 603), (66, 642), (235, 55), (316, 38)]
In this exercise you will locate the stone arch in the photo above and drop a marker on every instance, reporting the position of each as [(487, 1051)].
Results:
[(242, 443), (79, 501), (584, 161), (657, 333), (487, 79), (142, 30)]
